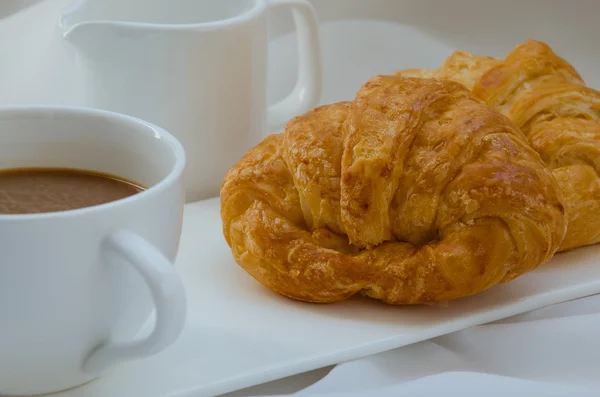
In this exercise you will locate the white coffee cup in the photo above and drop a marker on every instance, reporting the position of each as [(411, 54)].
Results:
[(195, 67), (76, 286)]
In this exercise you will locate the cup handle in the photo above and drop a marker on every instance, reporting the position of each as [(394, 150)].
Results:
[(307, 92), (167, 293)]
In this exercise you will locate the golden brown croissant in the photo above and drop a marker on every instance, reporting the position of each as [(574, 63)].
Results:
[(546, 97), (414, 192)]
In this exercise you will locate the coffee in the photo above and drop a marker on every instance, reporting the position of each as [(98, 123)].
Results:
[(36, 190)]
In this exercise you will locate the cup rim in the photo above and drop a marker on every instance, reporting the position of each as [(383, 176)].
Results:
[(49, 112), (258, 6)]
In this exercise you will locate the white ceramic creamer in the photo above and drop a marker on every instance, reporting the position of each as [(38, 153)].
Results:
[(195, 67)]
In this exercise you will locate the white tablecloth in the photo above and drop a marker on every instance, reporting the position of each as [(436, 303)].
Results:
[(549, 352)]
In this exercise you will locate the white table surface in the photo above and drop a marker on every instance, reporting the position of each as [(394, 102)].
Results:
[(551, 351)]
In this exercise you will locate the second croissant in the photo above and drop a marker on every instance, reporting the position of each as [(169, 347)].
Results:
[(548, 100)]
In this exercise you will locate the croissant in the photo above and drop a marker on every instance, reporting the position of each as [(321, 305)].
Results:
[(460, 66), (414, 192), (548, 100)]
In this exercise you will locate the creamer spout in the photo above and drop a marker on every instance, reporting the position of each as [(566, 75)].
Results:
[(74, 17)]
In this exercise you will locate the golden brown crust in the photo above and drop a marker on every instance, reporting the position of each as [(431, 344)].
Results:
[(313, 153), (414, 192), (548, 100)]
